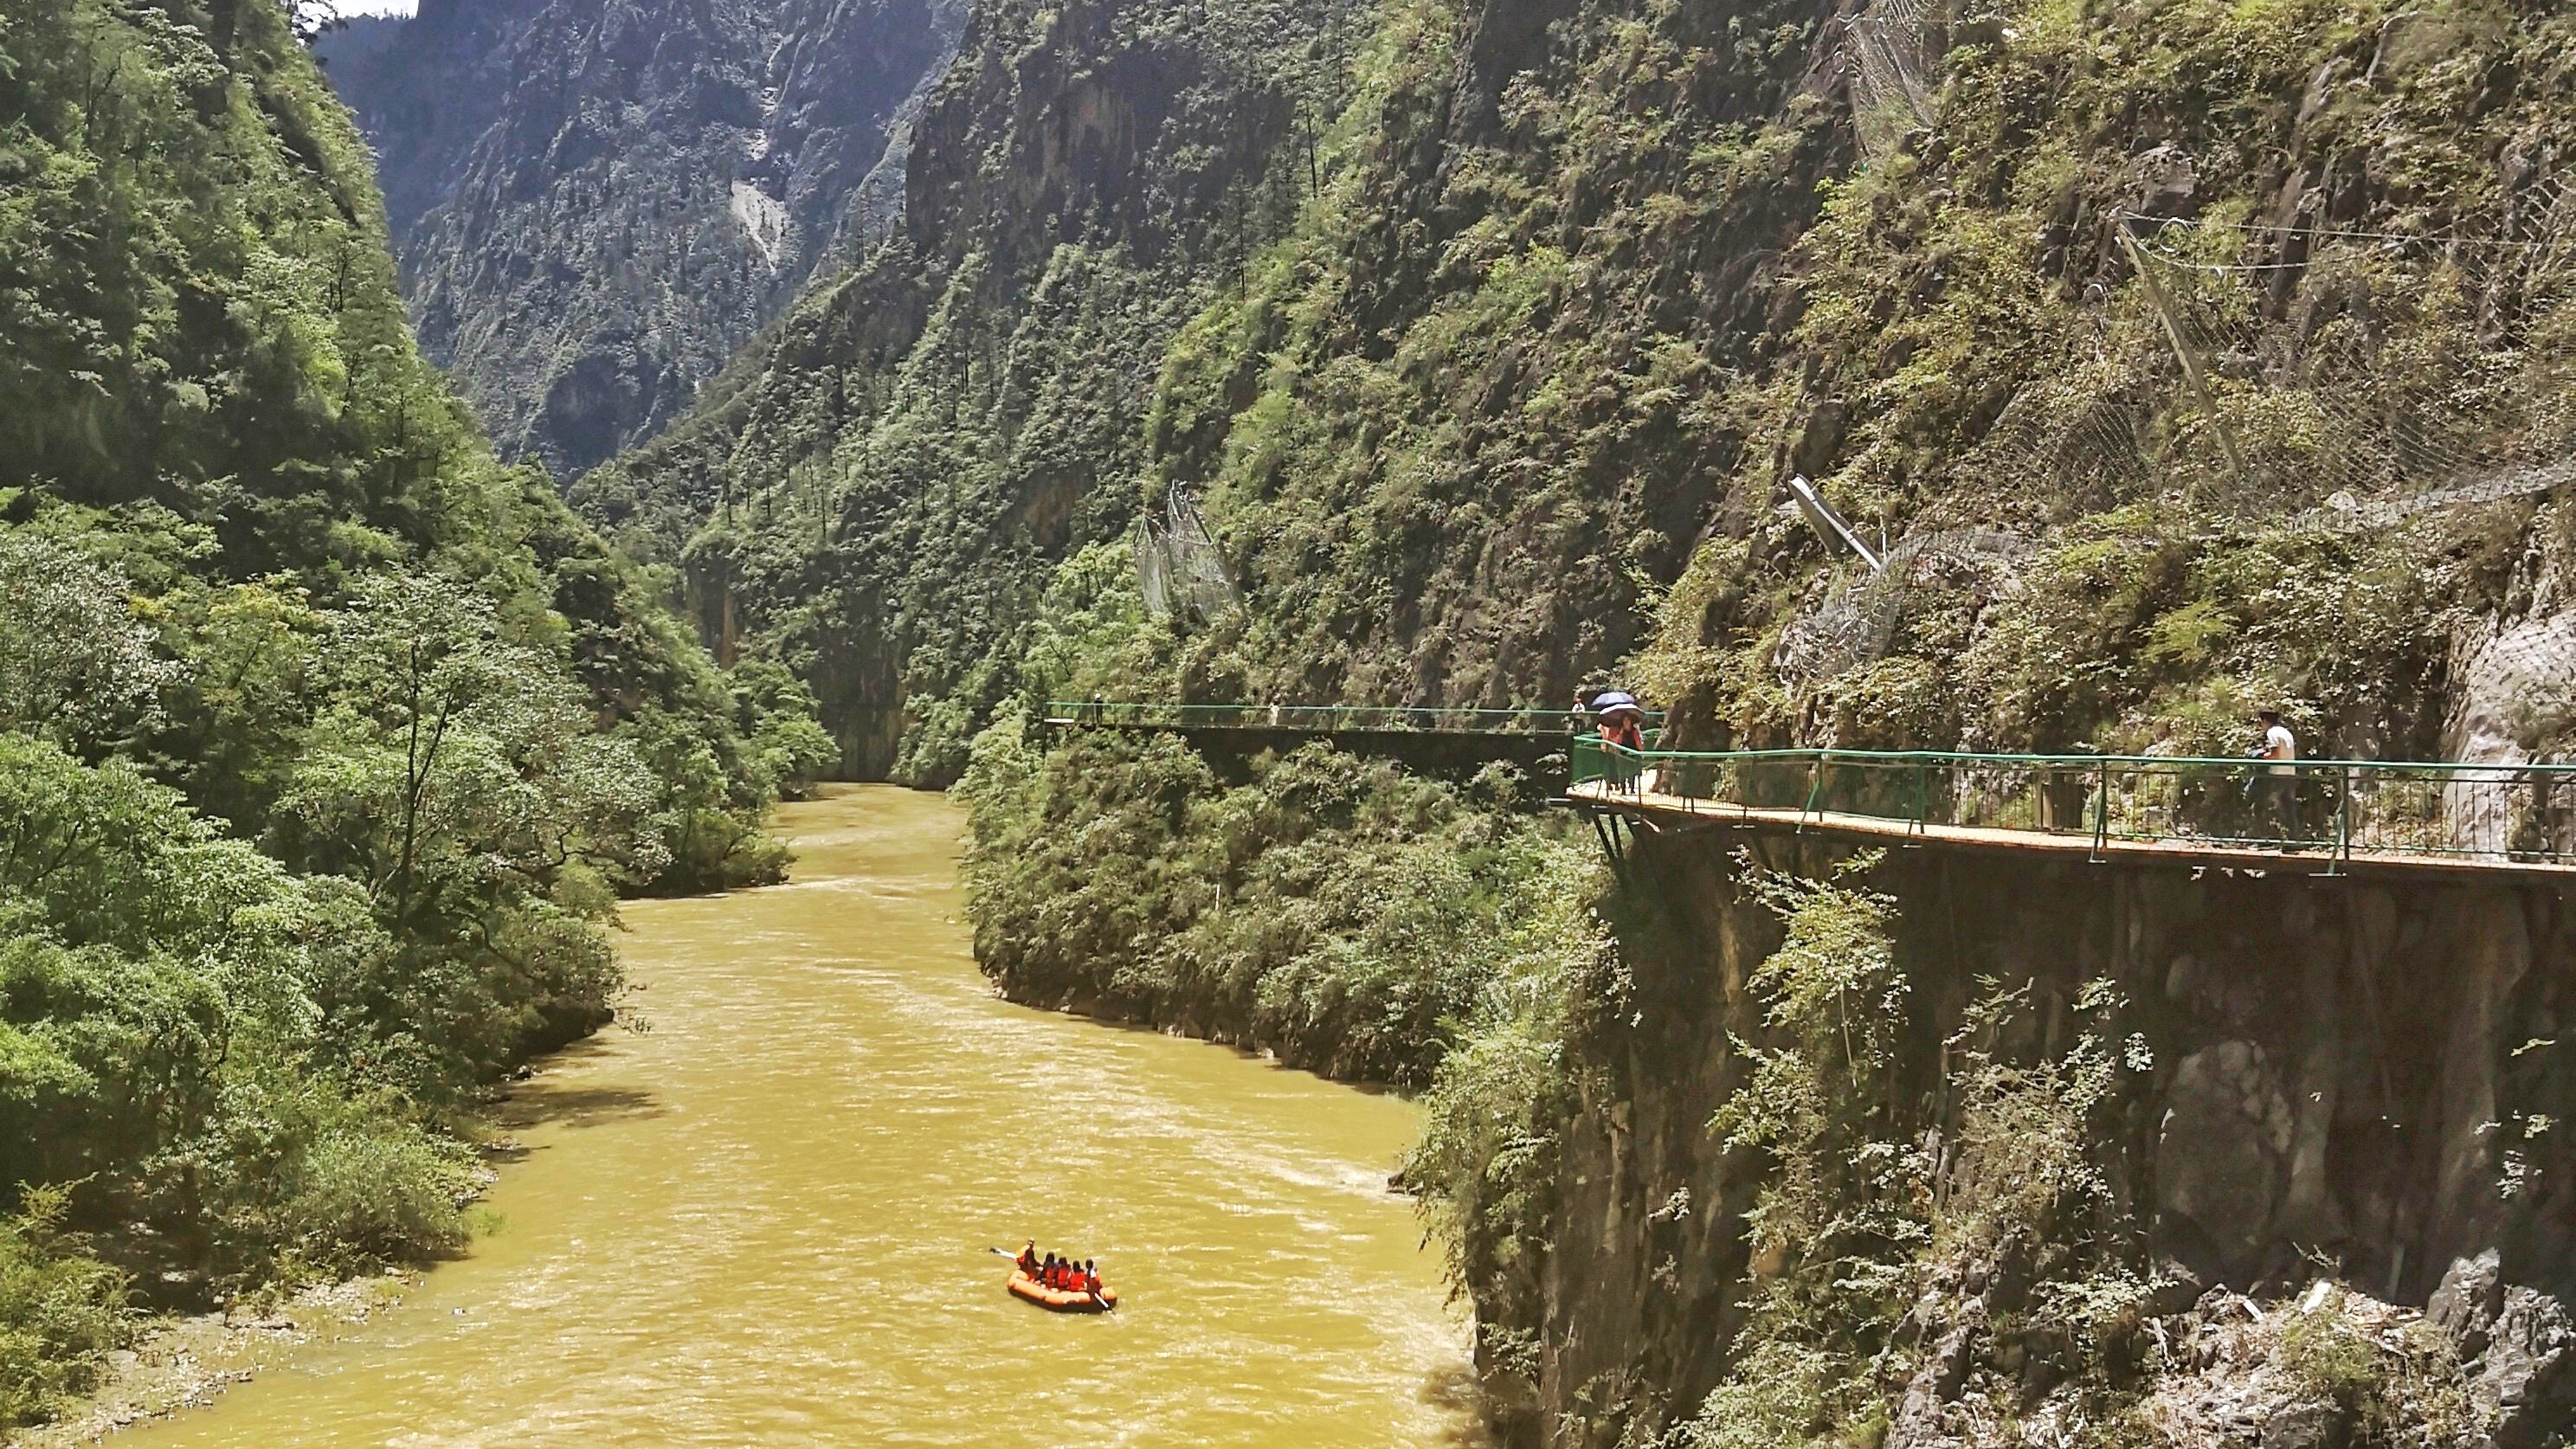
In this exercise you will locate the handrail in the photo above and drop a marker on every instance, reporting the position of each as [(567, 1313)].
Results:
[(1321, 717), (2347, 808), (2089, 761)]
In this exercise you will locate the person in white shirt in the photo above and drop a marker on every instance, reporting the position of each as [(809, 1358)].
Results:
[(2276, 787)]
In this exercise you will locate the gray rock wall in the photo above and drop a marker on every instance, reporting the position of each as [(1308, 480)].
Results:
[(2372, 1073), (596, 202)]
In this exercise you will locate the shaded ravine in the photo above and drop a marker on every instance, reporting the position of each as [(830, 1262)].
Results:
[(763, 1219)]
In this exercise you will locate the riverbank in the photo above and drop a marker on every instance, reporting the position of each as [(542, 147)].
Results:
[(1337, 913), (184, 1363)]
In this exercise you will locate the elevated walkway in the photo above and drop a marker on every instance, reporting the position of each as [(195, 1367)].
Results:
[(1319, 720), (2332, 817), (2329, 817)]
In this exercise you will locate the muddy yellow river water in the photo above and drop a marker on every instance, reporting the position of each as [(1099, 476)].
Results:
[(763, 1220)]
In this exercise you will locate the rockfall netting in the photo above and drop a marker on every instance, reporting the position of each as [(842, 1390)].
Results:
[(1179, 568)]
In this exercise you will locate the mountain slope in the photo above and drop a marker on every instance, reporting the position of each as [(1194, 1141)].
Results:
[(596, 202), (327, 742), (1574, 288), (1447, 452), (884, 482)]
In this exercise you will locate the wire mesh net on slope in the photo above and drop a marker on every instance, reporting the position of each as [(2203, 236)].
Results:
[(1889, 57), (2288, 378), (2369, 382), (2305, 375), (2352, 379), (1862, 617), (1179, 569)]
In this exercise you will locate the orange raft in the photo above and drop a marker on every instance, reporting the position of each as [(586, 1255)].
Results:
[(1057, 1301)]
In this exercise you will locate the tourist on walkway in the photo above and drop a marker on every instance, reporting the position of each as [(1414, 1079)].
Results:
[(2276, 785), (1623, 737)]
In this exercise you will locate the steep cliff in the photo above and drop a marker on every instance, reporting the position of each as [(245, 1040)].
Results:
[(2102, 1101), (596, 203), (1325, 326), (879, 489), (2147, 313)]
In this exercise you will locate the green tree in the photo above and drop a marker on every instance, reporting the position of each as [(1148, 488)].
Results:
[(75, 665), (454, 773)]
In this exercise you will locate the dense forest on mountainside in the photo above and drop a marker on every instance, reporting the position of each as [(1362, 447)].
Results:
[(327, 742), (596, 201), (879, 489), (2177, 355)]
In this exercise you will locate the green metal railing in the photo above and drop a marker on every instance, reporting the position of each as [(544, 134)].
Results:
[(1321, 718), (2344, 808)]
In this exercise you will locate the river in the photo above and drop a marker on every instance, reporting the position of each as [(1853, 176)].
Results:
[(762, 1220)]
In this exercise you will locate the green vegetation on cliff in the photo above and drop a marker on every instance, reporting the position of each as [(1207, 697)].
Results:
[(2345, 215), (326, 742), (1489, 337), (878, 491), (1339, 913)]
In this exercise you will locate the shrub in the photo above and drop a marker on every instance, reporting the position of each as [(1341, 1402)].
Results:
[(61, 1311)]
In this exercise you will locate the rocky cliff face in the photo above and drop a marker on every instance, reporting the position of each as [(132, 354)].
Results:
[(2360, 1079), (1358, 280), (595, 203)]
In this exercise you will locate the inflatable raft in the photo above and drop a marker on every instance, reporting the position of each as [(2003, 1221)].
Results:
[(1055, 1301)]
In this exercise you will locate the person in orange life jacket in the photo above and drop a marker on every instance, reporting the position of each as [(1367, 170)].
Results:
[(1028, 1262), (1091, 1276)]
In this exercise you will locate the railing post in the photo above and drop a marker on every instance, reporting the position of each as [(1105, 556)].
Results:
[(1921, 805), (2102, 811), (2343, 821)]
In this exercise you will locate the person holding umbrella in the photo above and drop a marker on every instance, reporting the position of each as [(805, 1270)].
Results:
[(1623, 736)]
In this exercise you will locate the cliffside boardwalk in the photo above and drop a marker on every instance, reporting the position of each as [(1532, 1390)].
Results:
[(2356, 815), (2360, 815)]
